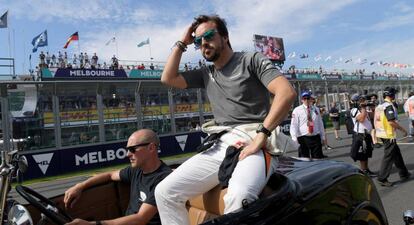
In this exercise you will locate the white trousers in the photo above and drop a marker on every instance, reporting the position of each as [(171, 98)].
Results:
[(199, 174)]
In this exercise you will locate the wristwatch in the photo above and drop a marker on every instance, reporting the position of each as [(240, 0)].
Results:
[(264, 130)]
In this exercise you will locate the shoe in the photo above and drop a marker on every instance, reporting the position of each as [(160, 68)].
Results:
[(406, 177), (369, 173), (385, 183), (338, 138), (328, 147)]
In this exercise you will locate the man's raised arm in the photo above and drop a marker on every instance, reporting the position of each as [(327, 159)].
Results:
[(170, 75)]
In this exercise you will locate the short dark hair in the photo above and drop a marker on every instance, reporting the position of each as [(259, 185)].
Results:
[(221, 24)]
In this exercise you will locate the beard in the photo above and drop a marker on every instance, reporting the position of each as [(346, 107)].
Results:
[(215, 52)]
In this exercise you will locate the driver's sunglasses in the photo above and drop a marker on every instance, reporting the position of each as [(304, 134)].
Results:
[(208, 36), (133, 148)]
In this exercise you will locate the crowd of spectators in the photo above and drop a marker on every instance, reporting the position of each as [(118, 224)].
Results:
[(293, 70)]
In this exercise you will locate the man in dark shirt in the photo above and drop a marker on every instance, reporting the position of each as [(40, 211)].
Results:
[(334, 114), (144, 174)]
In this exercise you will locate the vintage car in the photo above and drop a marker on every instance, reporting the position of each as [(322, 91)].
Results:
[(315, 192)]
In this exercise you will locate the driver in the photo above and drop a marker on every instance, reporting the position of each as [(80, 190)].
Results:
[(144, 173), (238, 85)]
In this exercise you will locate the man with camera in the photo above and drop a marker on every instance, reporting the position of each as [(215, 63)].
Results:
[(362, 146), (409, 110), (386, 126)]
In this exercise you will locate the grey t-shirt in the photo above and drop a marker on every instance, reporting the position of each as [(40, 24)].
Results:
[(237, 92)]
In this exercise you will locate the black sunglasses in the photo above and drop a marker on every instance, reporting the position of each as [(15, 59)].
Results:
[(306, 98), (208, 36), (133, 148)]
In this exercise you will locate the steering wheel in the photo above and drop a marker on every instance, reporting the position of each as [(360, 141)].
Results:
[(40, 202)]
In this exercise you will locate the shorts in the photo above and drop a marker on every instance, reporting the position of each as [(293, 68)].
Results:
[(336, 125), (359, 150)]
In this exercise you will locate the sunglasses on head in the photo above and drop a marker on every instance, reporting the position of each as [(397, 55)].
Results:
[(208, 36), (133, 148)]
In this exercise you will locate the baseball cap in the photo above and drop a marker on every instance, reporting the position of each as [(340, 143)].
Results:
[(306, 94), (355, 97)]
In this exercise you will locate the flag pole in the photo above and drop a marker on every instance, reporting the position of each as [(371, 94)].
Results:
[(150, 49), (116, 45)]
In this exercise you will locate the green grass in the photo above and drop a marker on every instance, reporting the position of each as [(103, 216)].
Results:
[(95, 171)]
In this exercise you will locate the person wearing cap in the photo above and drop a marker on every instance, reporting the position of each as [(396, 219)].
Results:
[(143, 175), (306, 128), (409, 110), (335, 117), (361, 148), (386, 126)]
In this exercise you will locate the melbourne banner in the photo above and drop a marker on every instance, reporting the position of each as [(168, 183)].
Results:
[(89, 74), (58, 162)]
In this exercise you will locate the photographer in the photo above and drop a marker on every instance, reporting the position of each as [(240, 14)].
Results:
[(371, 104), (362, 147)]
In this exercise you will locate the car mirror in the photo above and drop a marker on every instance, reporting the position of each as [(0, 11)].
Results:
[(22, 164), (19, 215), (408, 217)]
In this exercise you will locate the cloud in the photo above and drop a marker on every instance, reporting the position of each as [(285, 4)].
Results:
[(399, 15)]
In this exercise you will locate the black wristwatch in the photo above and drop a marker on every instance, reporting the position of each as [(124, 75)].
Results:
[(264, 130)]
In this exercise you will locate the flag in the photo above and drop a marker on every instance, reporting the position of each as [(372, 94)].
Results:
[(110, 40), (317, 58), (292, 55), (39, 41), (363, 61), (142, 43), (304, 56), (3, 20), (373, 62), (328, 58), (348, 60), (73, 37)]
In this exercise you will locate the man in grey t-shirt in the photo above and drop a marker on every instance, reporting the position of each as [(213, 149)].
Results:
[(238, 86)]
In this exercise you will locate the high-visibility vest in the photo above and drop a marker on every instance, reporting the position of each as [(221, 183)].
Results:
[(383, 129)]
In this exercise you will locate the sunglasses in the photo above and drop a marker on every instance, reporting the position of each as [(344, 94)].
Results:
[(306, 98), (208, 36), (133, 148)]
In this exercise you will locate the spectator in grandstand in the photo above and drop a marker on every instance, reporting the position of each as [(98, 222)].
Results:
[(47, 59), (94, 61), (75, 58), (143, 175), (152, 66), (409, 110), (335, 118), (386, 126), (240, 97), (86, 57), (114, 64), (361, 149), (42, 59), (53, 59), (306, 128), (65, 58)]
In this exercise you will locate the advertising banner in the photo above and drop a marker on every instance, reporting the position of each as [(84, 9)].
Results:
[(58, 162), (272, 47)]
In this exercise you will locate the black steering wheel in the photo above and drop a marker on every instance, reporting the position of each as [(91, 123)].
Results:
[(40, 202)]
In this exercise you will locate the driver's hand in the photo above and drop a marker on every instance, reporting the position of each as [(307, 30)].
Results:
[(72, 195), (187, 37), (258, 142), (80, 222)]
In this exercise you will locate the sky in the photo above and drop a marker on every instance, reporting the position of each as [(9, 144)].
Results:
[(376, 30)]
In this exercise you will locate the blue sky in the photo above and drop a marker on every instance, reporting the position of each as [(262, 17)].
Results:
[(376, 30)]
